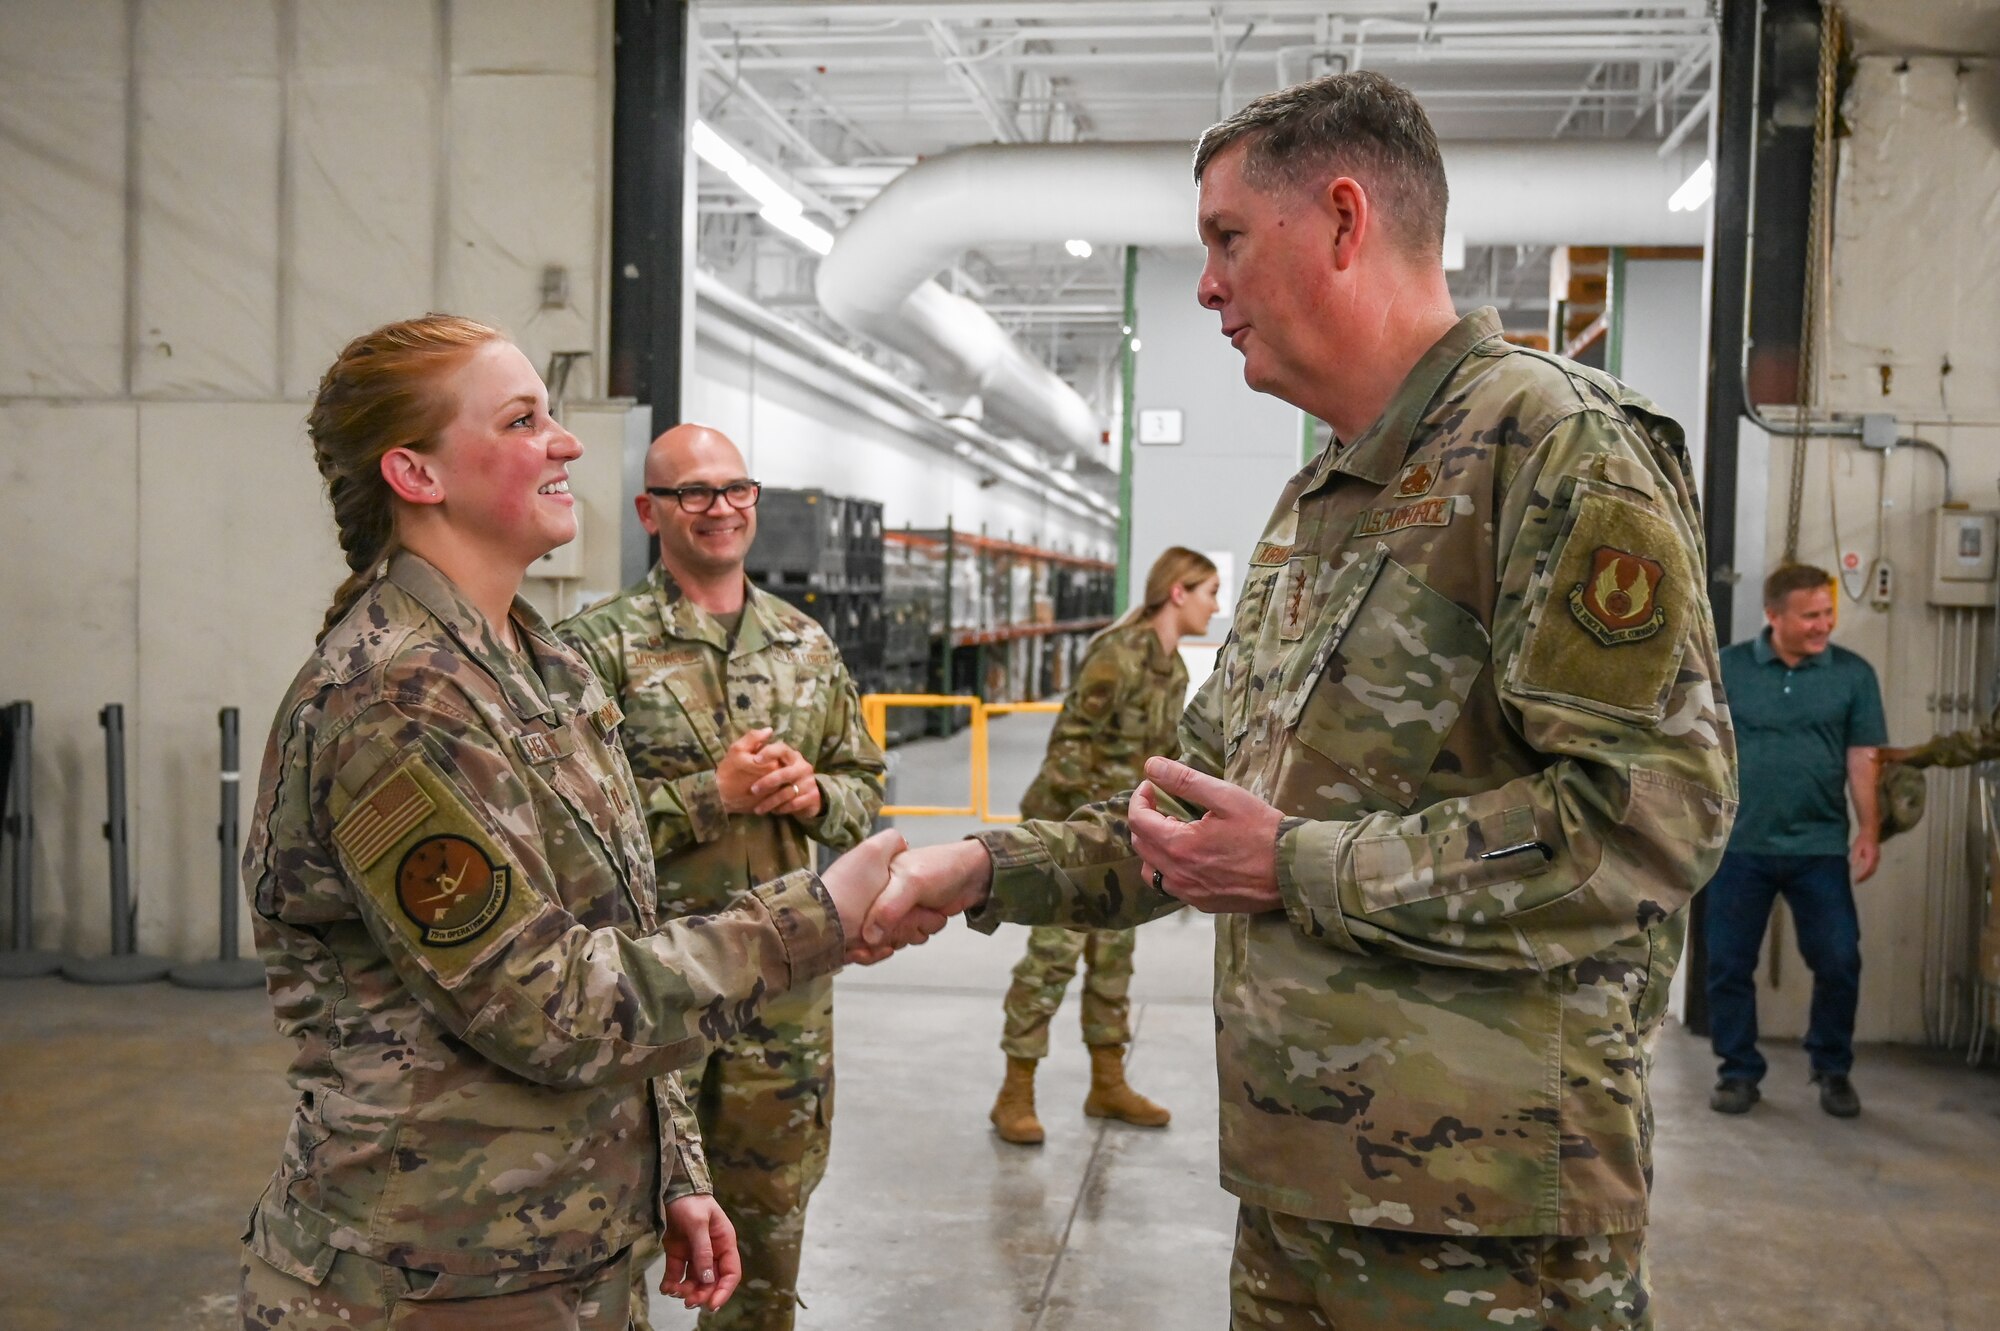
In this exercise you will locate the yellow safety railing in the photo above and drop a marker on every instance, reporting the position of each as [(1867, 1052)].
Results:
[(980, 755), (875, 717)]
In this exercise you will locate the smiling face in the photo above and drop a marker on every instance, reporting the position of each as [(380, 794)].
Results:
[(710, 544), (501, 465), (1801, 626), (1271, 275)]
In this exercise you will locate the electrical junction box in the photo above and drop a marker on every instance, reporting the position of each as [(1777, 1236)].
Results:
[(1963, 566), (562, 564)]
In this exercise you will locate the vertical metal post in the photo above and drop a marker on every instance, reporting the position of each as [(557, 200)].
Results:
[(22, 961), (228, 971), (117, 832), (126, 964)]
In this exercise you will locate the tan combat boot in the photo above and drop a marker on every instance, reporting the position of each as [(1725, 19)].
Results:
[(1110, 1097), (1014, 1112)]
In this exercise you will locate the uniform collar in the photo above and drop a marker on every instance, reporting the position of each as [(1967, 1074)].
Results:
[(1380, 450), (1158, 659), (760, 627), (1766, 654), (543, 679)]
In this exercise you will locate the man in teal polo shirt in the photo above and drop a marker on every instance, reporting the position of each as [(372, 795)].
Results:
[(1808, 719)]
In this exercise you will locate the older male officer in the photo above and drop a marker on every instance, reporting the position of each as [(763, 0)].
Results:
[(744, 731), (1463, 762)]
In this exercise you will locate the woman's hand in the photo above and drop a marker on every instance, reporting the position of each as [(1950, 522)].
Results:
[(703, 1265)]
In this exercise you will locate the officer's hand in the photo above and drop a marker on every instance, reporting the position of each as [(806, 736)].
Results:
[(703, 1265), (1224, 863), (926, 888), (788, 789), (748, 759), (854, 881)]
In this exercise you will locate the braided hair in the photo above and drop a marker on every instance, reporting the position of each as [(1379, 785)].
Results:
[(382, 392)]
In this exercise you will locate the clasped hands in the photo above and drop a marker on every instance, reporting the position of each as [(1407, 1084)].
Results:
[(762, 775), (1225, 862)]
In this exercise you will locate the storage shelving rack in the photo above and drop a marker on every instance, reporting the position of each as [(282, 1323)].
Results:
[(1008, 620)]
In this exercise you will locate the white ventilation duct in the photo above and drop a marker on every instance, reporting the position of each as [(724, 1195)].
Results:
[(878, 279)]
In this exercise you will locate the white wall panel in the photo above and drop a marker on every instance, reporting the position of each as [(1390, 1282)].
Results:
[(62, 198), (364, 145), (1917, 281), (523, 192), (237, 561), (68, 504), (210, 109), (525, 37)]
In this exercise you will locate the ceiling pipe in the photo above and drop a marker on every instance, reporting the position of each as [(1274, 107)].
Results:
[(877, 281)]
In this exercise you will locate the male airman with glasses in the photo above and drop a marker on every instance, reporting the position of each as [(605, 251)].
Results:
[(744, 732)]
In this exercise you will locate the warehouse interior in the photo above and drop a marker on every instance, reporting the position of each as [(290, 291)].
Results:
[(932, 267)]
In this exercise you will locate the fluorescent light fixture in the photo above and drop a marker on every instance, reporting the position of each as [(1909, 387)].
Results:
[(1135, 344), (1078, 249), (815, 238), (1694, 191), (784, 212)]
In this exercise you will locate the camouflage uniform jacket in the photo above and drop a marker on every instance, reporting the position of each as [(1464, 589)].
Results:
[(1474, 666), (455, 905), (1122, 709), (688, 692)]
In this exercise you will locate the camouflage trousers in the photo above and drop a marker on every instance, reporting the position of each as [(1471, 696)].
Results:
[(1041, 977), (765, 1104), (1289, 1274), (363, 1295)]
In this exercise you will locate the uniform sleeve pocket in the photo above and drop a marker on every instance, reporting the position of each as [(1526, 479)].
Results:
[(1391, 684), (1485, 854)]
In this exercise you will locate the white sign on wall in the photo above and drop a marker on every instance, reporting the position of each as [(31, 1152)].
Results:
[(1159, 425)]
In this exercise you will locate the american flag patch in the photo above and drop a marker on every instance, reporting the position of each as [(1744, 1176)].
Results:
[(384, 818)]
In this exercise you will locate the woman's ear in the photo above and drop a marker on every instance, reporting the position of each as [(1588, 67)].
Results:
[(411, 477), (1178, 594)]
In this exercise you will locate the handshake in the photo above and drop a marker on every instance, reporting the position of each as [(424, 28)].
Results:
[(1223, 862), (892, 897)]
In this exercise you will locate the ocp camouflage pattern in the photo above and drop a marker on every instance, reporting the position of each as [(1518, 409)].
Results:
[(1123, 707), (764, 1098), (501, 1103), (1501, 793)]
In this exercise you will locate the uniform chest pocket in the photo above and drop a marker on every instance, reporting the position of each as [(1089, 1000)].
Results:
[(603, 847), (1390, 682)]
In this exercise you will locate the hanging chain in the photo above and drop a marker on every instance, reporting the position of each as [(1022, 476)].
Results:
[(1818, 247)]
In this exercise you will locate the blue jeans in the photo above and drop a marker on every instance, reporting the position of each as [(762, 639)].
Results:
[(1738, 906)]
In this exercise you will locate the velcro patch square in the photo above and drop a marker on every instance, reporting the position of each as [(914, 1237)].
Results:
[(384, 818), (1618, 606)]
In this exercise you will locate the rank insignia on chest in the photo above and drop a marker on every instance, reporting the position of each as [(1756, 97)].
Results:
[(1416, 480), (1618, 602), (606, 718), (1295, 597), (450, 890)]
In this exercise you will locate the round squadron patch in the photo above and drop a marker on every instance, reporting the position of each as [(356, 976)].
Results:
[(1618, 601), (450, 890)]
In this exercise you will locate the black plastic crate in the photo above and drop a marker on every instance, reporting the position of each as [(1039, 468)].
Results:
[(863, 524), (802, 540)]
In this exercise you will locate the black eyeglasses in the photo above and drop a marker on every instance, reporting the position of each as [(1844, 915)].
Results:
[(701, 498)]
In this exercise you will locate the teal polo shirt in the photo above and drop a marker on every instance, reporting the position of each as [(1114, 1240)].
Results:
[(1794, 726)]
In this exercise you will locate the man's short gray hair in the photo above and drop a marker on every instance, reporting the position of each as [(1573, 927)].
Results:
[(1357, 124)]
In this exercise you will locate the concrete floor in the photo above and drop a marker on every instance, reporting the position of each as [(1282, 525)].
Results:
[(137, 1126)]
